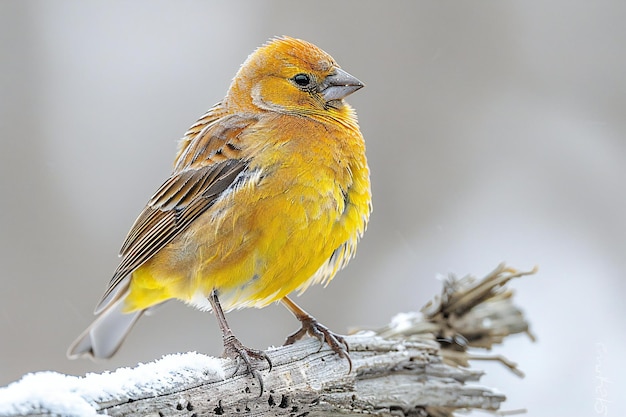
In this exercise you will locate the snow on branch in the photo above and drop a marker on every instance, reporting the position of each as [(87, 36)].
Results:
[(418, 365)]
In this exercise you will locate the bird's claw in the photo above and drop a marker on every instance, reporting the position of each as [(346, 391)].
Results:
[(312, 327), (234, 349)]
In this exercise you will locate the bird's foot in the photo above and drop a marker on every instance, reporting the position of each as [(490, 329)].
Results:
[(312, 327), (234, 349)]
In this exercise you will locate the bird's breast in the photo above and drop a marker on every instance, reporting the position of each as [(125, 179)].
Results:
[(309, 196)]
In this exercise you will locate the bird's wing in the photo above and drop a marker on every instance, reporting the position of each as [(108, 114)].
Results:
[(209, 162)]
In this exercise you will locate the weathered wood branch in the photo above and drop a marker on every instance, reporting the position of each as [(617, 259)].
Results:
[(416, 366)]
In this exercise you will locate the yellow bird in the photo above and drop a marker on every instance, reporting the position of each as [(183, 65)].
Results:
[(269, 194)]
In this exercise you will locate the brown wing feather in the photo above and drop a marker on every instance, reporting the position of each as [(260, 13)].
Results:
[(208, 163)]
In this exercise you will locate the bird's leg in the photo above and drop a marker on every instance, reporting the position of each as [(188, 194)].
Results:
[(311, 326), (233, 348)]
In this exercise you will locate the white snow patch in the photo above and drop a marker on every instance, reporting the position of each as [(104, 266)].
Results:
[(72, 396), (403, 321), (364, 333)]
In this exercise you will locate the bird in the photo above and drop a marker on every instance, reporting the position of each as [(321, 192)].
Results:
[(269, 194)]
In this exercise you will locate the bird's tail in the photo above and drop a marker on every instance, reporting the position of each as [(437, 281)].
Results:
[(104, 336)]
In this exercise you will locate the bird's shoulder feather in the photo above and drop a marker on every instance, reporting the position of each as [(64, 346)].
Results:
[(209, 162)]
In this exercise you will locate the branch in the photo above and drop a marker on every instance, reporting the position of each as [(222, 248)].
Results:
[(416, 366)]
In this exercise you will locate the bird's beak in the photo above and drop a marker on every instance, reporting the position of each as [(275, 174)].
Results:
[(339, 85)]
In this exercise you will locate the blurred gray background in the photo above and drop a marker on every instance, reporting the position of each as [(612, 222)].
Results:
[(495, 131)]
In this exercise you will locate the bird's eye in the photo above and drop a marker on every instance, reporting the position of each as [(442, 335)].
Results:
[(302, 80)]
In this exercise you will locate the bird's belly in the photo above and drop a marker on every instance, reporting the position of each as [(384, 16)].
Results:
[(253, 252)]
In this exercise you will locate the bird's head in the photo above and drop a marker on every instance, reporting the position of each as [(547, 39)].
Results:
[(289, 75)]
